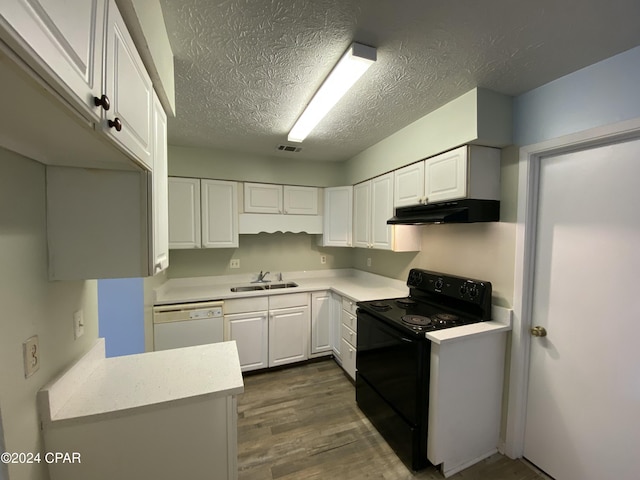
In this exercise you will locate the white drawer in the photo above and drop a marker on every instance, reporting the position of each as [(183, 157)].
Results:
[(245, 305), (349, 320), (349, 335), (349, 305), (348, 359), (288, 300)]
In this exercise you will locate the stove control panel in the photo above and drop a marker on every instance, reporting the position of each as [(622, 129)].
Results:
[(460, 288)]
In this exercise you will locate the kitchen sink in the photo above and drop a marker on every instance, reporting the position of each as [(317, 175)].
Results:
[(273, 286), (266, 286), (249, 288)]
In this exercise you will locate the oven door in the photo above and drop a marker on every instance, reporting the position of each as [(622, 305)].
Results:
[(395, 366)]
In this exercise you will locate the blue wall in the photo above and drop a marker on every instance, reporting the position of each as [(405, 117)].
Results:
[(600, 94), (121, 315)]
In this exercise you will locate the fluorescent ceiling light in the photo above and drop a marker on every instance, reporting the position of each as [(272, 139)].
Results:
[(357, 59)]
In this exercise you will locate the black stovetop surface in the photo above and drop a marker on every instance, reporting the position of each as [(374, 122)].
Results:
[(438, 317)]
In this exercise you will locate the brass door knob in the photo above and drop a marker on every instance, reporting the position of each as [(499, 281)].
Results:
[(538, 331)]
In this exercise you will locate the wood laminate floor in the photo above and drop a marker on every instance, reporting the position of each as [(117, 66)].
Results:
[(303, 423)]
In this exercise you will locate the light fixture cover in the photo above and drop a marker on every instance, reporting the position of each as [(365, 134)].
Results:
[(356, 60)]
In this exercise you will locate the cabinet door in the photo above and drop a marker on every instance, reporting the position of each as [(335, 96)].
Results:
[(262, 198), (61, 39), (408, 186), (288, 335), (336, 323), (129, 88), (160, 194), (184, 213), (445, 176), (320, 322), (250, 331), (219, 214), (300, 200), (348, 358), (381, 211), (338, 215), (362, 214)]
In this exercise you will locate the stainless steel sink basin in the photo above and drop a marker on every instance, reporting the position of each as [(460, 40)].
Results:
[(273, 286), (250, 288), (266, 286)]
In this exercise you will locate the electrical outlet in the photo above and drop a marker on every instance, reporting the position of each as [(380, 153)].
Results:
[(234, 263), (368, 261), (31, 355), (323, 259), (78, 324)]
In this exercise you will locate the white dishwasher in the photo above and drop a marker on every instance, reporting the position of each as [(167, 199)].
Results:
[(187, 324)]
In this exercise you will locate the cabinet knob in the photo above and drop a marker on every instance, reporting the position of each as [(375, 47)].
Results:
[(103, 102), (115, 123)]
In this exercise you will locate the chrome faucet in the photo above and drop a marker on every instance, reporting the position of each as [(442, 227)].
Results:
[(261, 276)]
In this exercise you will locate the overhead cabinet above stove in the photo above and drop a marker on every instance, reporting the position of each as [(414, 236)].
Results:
[(470, 171)]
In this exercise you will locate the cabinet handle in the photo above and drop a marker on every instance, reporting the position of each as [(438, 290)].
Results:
[(103, 102), (115, 123)]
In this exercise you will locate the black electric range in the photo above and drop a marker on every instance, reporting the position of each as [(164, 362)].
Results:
[(436, 301), (393, 354)]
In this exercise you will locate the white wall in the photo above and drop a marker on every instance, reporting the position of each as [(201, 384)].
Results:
[(31, 305)]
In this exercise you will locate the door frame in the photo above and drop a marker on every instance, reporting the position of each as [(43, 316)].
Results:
[(526, 224)]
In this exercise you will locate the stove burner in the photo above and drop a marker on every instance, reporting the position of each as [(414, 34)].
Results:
[(446, 318), (405, 302), (417, 320), (380, 305)]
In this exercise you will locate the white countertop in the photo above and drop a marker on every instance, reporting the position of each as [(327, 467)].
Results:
[(96, 385), (355, 284)]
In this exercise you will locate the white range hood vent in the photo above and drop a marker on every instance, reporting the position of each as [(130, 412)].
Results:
[(253, 223)]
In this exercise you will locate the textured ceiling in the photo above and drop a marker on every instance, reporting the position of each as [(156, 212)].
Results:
[(245, 69)]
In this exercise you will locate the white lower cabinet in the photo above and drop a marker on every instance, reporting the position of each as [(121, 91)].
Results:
[(349, 336), (250, 331), (321, 309), (289, 329), (245, 321), (269, 331), (335, 325)]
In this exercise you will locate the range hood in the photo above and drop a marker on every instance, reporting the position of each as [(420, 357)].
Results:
[(456, 211)]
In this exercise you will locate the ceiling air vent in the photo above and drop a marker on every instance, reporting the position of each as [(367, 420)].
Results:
[(288, 148)]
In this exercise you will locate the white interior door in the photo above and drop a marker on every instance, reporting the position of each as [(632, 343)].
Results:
[(583, 406)]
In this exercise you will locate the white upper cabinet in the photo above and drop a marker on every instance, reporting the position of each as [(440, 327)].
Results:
[(446, 176), (280, 199), (338, 216), (60, 39), (184, 213), (129, 89), (160, 207), (381, 211), (362, 214), (219, 214), (300, 200), (372, 207), (262, 198), (202, 213), (408, 185), (469, 171), (82, 51)]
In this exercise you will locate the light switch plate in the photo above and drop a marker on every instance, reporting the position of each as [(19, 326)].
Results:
[(31, 355), (234, 263)]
